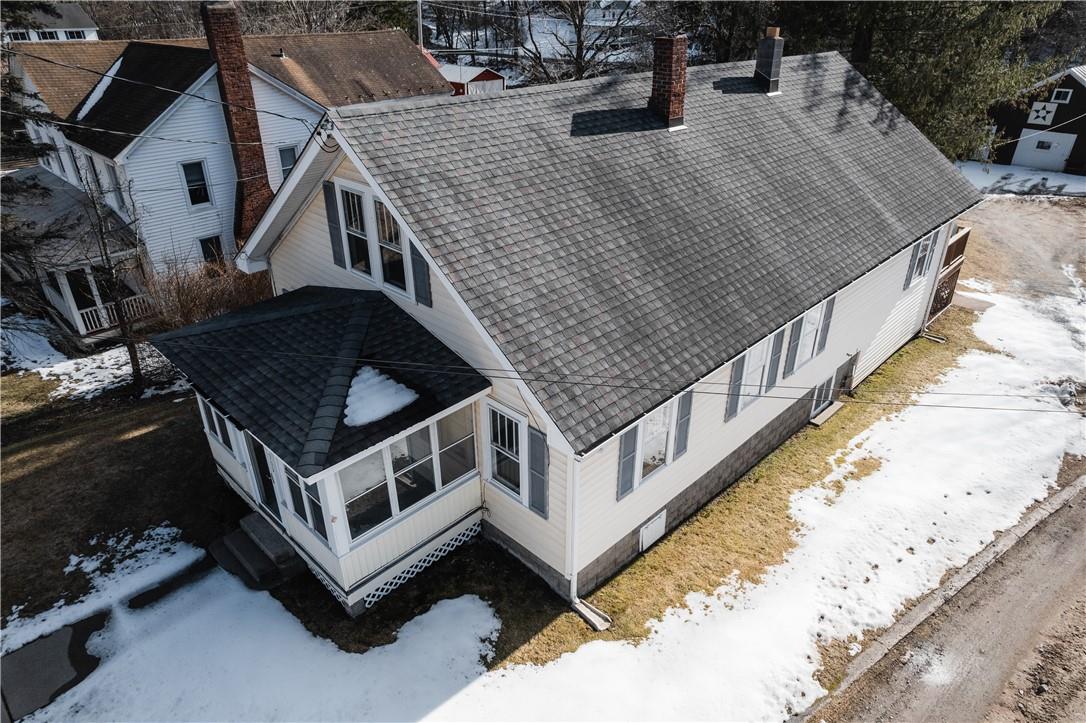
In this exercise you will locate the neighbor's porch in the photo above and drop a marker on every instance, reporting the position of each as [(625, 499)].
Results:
[(76, 294)]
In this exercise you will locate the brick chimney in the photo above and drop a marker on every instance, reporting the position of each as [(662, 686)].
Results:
[(767, 63), (669, 78), (223, 29)]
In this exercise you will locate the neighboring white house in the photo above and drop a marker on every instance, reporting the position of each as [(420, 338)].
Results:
[(656, 298), (70, 23), (177, 161)]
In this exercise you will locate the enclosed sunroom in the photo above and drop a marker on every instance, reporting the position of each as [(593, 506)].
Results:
[(346, 425)]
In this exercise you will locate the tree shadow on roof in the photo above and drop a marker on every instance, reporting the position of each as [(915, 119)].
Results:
[(856, 96), (612, 121)]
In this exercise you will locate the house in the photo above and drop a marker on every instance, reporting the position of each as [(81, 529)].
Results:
[(71, 23), (660, 276), (194, 140), (67, 259), (472, 79), (1047, 128)]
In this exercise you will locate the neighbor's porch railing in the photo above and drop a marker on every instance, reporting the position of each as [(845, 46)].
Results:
[(105, 316)]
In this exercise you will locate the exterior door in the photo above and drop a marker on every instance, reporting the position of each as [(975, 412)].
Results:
[(264, 481), (1045, 150)]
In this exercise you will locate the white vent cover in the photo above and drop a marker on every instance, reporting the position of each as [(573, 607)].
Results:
[(653, 530)]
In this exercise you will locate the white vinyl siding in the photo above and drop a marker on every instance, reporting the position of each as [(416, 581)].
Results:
[(869, 315), (277, 132)]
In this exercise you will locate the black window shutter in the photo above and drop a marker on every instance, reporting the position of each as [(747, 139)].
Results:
[(420, 272), (912, 265), (538, 461), (735, 388), (682, 425), (774, 360), (331, 210), (824, 332), (627, 459), (793, 347)]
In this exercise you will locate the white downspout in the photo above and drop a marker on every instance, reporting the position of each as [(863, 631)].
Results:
[(596, 618)]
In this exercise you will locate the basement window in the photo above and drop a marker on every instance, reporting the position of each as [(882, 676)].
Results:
[(211, 248)]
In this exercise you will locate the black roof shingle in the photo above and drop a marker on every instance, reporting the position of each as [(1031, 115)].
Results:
[(281, 369), (598, 247)]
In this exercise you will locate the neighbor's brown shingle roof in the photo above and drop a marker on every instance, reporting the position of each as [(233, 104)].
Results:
[(333, 68)]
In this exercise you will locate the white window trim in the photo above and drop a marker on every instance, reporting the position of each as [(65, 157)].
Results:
[(673, 419), (75, 35), (185, 185), (292, 146), (932, 241), (522, 442), (373, 246), (212, 430), (390, 481), (279, 474), (816, 408), (1065, 94)]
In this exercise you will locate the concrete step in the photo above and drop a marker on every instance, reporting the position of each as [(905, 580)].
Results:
[(261, 568), (268, 538)]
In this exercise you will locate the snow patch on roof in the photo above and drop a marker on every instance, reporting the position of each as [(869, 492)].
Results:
[(99, 89), (374, 396)]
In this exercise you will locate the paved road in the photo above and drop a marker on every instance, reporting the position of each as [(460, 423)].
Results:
[(1009, 646)]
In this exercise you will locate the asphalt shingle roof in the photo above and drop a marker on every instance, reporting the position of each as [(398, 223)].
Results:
[(281, 369), (595, 245)]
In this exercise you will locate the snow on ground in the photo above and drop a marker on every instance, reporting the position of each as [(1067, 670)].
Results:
[(134, 565), (949, 479), (374, 396), (25, 347), (993, 178)]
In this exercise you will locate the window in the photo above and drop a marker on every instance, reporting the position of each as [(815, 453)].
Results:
[(211, 248), (754, 373), (1061, 95), (921, 258), (306, 502), (655, 430), (413, 468), (216, 425), (115, 188), (74, 164), (395, 479), (388, 238), (18, 36), (456, 441), (48, 35), (196, 183), (75, 35), (1044, 145), (288, 156), (92, 172), (365, 494), (643, 449), (823, 397), (354, 221), (505, 450)]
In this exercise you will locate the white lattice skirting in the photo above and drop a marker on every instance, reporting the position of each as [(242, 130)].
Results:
[(421, 564)]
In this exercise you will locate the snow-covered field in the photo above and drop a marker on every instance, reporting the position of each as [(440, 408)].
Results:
[(24, 346), (949, 479), (1018, 180)]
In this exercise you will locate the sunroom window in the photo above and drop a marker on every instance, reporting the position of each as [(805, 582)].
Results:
[(413, 468), (456, 438), (365, 492), (388, 238), (306, 502)]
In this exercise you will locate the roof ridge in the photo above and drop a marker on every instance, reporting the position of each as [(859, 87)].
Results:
[(412, 103), (322, 428)]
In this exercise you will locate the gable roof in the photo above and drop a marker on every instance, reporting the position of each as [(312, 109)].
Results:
[(129, 108), (281, 369), (615, 262), (331, 68)]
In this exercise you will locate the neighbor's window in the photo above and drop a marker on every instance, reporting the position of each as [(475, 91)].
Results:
[(505, 450), (365, 494), (288, 156), (456, 441), (1061, 95), (354, 220), (48, 35), (211, 248), (196, 183), (75, 35), (655, 429), (1044, 145), (74, 164), (388, 237), (18, 36), (115, 189), (92, 172)]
